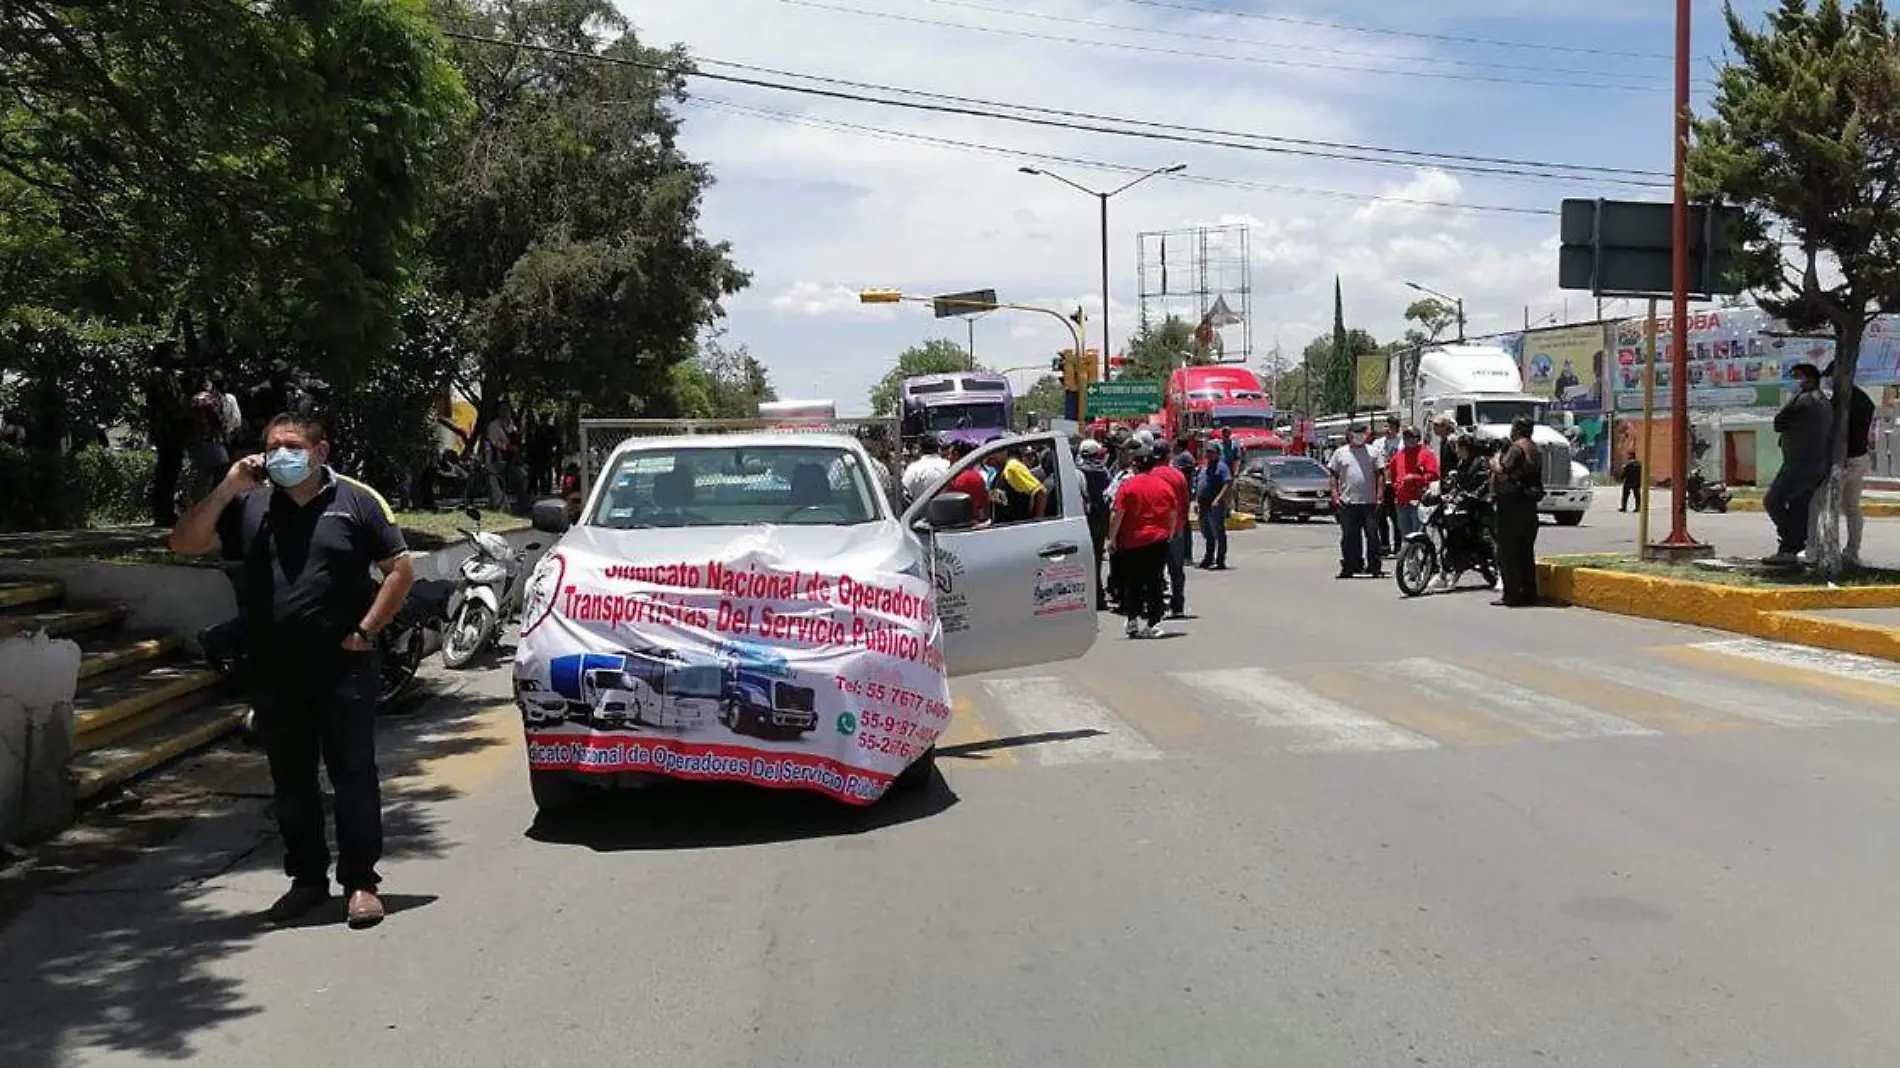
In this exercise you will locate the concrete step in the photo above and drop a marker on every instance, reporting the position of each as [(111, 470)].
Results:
[(116, 652), (20, 592), (142, 750), (61, 622), (112, 705)]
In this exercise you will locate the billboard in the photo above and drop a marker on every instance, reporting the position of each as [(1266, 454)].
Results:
[(1739, 358), (1566, 364)]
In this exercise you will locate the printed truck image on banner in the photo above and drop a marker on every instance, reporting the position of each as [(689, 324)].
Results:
[(741, 664)]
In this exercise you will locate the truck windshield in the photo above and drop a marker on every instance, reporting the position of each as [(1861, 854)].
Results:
[(1502, 412), (983, 416), (700, 680)]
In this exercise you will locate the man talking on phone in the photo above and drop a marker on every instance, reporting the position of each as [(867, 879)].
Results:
[(300, 540)]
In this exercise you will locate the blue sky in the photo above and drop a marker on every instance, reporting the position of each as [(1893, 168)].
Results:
[(817, 211)]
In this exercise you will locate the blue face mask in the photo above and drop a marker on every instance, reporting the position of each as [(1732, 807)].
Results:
[(288, 467)]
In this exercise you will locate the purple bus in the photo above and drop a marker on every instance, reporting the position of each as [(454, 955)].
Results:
[(973, 406)]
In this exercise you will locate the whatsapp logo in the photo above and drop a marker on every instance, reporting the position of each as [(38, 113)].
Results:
[(847, 723)]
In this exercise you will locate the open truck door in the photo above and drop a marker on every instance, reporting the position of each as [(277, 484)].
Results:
[(1012, 593)]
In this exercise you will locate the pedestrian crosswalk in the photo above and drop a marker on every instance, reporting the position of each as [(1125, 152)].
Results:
[(1416, 704)]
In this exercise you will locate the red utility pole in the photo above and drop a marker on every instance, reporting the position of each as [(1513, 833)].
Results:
[(1679, 329)]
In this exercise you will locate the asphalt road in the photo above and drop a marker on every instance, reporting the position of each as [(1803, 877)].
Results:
[(1324, 826)]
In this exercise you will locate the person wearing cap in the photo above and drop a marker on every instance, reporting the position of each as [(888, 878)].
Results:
[(1806, 426), (928, 469), (1358, 483), (1413, 470), (1091, 463)]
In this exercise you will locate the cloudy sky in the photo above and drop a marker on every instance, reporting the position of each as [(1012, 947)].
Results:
[(821, 197)]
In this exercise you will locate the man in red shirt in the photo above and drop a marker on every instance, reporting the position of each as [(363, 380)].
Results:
[(1414, 469), (1143, 520), (1179, 547), (970, 482)]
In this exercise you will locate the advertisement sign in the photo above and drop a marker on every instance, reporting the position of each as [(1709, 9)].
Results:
[(1740, 358), (1126, 399), (1370, 371), (1565, 364), (735, 663)]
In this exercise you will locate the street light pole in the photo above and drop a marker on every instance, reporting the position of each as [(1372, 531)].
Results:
[(1103, 198), (1457, 303)]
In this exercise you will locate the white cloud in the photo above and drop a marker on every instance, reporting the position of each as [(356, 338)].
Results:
[(815, 212)]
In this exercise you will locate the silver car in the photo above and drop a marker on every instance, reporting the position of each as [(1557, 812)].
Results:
[(1004, 591)]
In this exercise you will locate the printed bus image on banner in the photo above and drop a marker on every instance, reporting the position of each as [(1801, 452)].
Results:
[(739, 663)]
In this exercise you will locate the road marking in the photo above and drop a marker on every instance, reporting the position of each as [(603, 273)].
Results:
[(1547, 717), (1160, 711), (1826, 661), (1708, 688), (1443, 721), (1059, 723), (1724, 662), (970, 739), (1312, 723), (1661, 712)]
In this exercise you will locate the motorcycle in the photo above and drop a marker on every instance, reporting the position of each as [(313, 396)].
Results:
[(493, 579), (1454, 539), (402, 645), (1706, 496)]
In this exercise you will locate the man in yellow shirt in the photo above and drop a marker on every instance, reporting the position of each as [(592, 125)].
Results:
[(1016, 493)]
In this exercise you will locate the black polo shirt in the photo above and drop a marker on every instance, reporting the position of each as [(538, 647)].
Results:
[(303, 572)]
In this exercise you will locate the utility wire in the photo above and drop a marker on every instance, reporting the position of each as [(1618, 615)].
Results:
[(1418, 35), (1032, 35), (982, 109), (881, 133), (1183, 35)]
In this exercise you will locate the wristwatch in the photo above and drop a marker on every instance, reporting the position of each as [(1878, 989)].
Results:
[(369, 637)]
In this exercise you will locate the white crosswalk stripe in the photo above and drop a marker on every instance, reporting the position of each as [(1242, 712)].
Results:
[(1734, 698), (1541, 714), (1054, 707), (1826, 661), (1301, 720)]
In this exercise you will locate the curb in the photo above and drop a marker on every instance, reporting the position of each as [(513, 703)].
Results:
[(1772, 614), (1871, 509)]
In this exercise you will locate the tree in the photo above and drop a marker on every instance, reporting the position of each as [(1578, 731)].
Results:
[(721, 383), (571, 225), (1433, 317), (934, 357), (1044, 400), (1805, 138), (1155, 351)]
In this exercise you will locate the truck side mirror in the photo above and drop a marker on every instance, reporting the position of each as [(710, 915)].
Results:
[(949, 511), (550, 516)]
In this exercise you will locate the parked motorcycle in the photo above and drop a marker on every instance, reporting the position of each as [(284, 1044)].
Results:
[(403, 644), (1454, 539), (493, 579), (1706, 496)]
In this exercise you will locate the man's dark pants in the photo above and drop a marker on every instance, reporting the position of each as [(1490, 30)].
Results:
[(1386, 523), (1098, 536), (320, 704), (1140, 571), (1358, 542), (1787, 502), (1174, 559), (1214, 533), (1517, 549)]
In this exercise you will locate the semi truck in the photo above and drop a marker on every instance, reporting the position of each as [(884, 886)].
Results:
[(971, 406), (1482, 389)]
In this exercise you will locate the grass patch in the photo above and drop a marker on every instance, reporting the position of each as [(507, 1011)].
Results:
[(433, 530), (1630, 564)]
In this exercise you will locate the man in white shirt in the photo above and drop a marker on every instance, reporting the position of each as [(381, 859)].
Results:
[(927, 470)]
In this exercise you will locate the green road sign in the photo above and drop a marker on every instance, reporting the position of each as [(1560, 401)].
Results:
[(1126, 399)]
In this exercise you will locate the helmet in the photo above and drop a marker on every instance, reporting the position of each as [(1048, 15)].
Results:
[(1091, 449)]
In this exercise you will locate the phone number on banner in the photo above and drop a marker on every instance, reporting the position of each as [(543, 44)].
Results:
[(907, 700)]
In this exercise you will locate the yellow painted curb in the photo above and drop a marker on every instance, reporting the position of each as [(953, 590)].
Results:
[(113, 659), (89, 784), (1241, 521), (15, 594), (88, 724), (1772, 614), (1871, 509)]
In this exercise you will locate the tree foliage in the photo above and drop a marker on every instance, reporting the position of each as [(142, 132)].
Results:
[(1044, 401), (720, 383), (934, 357), (1804, 135), (1433, 317), (571, 222), (1158, 348)]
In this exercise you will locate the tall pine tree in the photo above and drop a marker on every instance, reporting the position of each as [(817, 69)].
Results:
[(1341, 381)]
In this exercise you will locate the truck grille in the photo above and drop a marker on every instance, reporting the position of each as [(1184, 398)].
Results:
[(1556, 465), (795, 698)]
